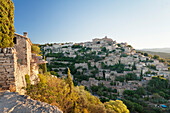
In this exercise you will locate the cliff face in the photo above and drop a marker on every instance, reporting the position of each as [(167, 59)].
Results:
[(11, 102)]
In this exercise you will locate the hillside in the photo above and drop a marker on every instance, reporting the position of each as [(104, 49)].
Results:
[(11, 102), (110, 71), (162, 50)]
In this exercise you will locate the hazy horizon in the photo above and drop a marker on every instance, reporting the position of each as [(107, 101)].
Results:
[(142, 24)]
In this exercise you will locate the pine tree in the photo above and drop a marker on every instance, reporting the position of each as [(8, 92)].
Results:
[(6, 23)]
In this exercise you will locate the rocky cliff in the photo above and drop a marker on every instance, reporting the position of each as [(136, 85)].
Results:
[(11, 102)]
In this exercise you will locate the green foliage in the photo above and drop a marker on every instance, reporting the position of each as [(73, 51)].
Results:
[(156, 57), (131, 76), (6, 23), (140, 91), (54, 73), (120, 78), (134, 66), (76, 46), (123, 55), (27, 79), (129, 105), (129, 92), (35, 49), (162, 60), (102, 90), (146, 54), (129, 46), (157, 83), (116, 106), (104, 49), (70, 99), (118, 45), (44, 67), (152, 67), (138, 107), (69, 81)]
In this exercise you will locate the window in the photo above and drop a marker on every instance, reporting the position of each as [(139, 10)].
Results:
[(15, 40)]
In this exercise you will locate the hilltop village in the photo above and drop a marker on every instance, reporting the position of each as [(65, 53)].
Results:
[(104, 63)]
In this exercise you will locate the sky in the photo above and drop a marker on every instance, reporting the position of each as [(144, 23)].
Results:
[(140, 23)]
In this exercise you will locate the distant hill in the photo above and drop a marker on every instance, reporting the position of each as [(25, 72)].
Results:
[(161, 54), (164, 50)]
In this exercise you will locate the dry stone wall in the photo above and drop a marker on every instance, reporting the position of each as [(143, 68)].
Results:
[(12, 73), (7, 68)]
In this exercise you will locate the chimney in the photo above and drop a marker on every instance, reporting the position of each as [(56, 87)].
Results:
[(25, 34)]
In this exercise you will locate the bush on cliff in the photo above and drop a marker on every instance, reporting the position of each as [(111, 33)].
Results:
[(70, 99)]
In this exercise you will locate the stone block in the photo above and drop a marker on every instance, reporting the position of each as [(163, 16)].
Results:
[(2, 70), (7, 64), (2, 58), (9, 55), (10, 76), (2, 61), (7, 61), (2, 82), (6, 67), (1, 54), (10, 70)]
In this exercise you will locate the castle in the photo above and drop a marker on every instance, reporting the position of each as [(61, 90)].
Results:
[(16, 62)]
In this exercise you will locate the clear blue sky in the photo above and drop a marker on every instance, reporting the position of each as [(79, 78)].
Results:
[(141, 23)]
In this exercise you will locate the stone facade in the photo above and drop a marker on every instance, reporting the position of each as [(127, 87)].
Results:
[(16, 62)]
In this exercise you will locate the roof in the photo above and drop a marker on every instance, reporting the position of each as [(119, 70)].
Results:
[(24, 37)]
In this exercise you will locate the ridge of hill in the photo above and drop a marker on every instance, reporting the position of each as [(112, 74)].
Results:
[(162, 50)]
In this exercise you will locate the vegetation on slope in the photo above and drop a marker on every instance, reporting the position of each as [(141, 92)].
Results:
[(144, 99), (6, 23), (70, 99)]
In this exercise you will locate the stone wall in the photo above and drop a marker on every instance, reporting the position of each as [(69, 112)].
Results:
[(7, 67), (12, 73)]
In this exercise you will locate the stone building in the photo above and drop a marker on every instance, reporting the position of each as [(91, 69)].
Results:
[(16, 62)]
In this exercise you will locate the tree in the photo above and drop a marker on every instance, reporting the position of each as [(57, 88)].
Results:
[(156, 57), (141, 75), (35, 49), (134, 67), (146, 54), (44, 67), (6, 23), (141, 91), (131, 76), (104, 49), (129, 105), (128, 92), (138, 107), (70, 81), (116, 106)]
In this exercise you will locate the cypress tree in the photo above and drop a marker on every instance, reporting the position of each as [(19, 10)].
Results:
[(6, 23), (70, 82), (44, 67)]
